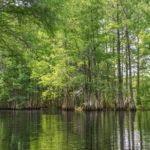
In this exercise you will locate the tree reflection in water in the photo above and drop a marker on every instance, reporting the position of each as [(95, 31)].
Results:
[(62, 130)]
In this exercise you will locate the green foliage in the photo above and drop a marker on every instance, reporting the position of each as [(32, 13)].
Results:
[(50, 47)]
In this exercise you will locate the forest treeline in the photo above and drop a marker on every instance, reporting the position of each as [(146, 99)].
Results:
[(93, 54)]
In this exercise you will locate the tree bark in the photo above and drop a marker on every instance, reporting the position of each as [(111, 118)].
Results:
[(126, 72), (132, 105), (120, 95), (138, 75)]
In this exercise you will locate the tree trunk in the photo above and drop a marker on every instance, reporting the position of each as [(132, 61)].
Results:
[(97, 104), (126, 72), (132, 105), (120, 95), (138, 76), (68, 102)]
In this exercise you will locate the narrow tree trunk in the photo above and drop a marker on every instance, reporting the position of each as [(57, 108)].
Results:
[(88, 73), (120, 95), (126, 103), (97, 104), (126, 72), (138, 75), (91, 94), (132, 105), (85, 86)]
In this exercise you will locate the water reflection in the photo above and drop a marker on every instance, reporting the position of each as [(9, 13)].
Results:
[(61, 130)]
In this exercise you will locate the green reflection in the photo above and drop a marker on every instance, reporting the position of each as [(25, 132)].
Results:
[(35, 130)]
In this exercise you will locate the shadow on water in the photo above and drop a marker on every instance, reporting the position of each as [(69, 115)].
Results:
[(62, 130)]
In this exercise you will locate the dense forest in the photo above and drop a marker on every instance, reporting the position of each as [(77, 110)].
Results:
[(93, 54)]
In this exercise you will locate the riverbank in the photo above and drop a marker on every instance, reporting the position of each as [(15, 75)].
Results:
[(78, 109)]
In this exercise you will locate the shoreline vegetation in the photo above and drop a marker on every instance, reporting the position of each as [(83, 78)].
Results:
[(107, 107), (77, 55)]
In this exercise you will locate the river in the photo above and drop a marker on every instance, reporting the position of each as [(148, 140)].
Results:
[(62, 130)]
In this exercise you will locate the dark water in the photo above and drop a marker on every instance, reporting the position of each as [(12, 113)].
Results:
[(60, 130)]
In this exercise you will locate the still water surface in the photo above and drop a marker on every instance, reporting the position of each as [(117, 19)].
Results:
[(61, 130)]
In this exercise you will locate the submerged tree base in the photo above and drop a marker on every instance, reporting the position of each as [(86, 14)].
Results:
[(68, 106), (89, 106), (101, 108), (98, 106), (121, 108), (132, 108)]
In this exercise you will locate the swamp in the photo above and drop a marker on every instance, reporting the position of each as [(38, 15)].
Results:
[(74, 74)]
